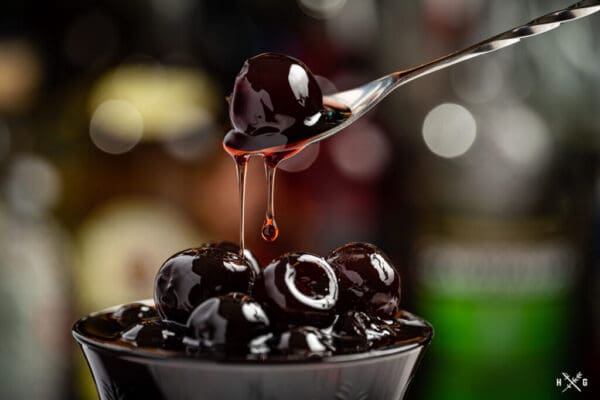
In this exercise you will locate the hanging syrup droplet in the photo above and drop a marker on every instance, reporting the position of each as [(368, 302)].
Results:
[(269, 231)]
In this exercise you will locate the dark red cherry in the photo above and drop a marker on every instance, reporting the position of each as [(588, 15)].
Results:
[(235, 248), (277, 101), (188, 278), (350, 332), (227, 323), (134, 313), (156, 334), (368, 280), (301, 342), (102, 326), (273, 93), (108, 326), (380, 332), (356, 331), (300, 289)]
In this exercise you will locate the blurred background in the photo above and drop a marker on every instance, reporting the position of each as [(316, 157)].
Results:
[(480, 181)]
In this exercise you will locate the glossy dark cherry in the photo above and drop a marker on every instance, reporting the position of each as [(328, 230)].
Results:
[(188, 278), (301, 342), (103, 327), (227, 323), (235, 248), (299, 289), (350, 331), (356, 331), (272, 93), (380, 333), (155, 334), (368, 280), (276, 101), (131, 314), (110, 326)]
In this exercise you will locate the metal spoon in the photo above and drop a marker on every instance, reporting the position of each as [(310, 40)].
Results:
[(365, 97)]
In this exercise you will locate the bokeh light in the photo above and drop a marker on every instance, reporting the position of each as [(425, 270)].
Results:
[(361, 151), (171, 101), (33, 185), (116, 126), (521, 137), (195, 146), (355, 28), (479, 82), (449, 130), (322, 8), (302, 160), (452, 13), (20, 74)]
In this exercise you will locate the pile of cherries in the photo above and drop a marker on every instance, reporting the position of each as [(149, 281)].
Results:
[(210, 301)]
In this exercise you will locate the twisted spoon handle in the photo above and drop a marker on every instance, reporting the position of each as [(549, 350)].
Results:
[(539, 25), (363, 98)]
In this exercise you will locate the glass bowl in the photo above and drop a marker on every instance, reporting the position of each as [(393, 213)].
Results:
[(128, 373)]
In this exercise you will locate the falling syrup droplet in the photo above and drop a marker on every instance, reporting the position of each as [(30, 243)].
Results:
[(269, 231)]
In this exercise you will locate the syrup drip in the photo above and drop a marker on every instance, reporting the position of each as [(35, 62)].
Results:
[(241, 162), (270, 231)]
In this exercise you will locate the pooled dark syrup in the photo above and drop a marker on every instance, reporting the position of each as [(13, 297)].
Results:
[(276, 108)]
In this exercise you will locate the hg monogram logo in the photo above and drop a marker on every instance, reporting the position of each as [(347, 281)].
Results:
[(572, 382)]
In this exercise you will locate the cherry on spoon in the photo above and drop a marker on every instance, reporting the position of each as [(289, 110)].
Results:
[(277, 107)]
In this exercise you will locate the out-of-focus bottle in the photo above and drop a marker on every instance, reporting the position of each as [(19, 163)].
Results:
[(497, 261), (502, 309), (34, 284)]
